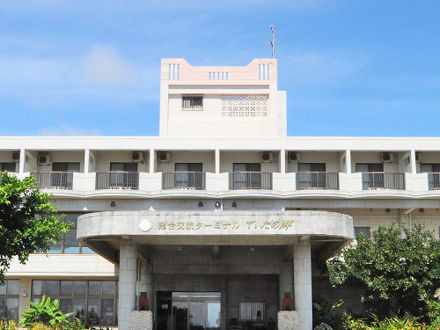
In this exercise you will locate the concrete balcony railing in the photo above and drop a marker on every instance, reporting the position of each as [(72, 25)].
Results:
[(54, 180), (184, 180), (117, 180), (199, 182), (433, 181), (250, 180), (317, 180), (381, 180)]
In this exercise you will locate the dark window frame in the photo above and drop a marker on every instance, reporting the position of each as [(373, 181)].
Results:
[(61, 243), (433, 165), (369, 165), (85, 296), (366, 230), (4, 165), (7, 296), (194, 102)]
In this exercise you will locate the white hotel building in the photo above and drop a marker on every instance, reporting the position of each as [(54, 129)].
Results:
[(218, 217)]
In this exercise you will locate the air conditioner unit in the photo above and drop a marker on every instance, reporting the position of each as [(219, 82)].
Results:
[(292, 157), (267, 157), (43, 159), (418, 158), (16, 156), (387, 157), (137, 156), (163, 156)]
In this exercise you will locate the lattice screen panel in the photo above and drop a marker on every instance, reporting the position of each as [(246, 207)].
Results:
[(244, 105)]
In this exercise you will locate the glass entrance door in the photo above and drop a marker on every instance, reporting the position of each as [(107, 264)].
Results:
[(196, 310)]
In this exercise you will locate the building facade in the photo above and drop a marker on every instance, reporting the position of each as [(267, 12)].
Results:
[(221, 215)]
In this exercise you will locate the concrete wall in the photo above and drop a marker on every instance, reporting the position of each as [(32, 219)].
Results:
[(205, 157), (104, 158), (259, 77), (62, 265), (399, 163), (331, 160), (58, 157), (228, 158)]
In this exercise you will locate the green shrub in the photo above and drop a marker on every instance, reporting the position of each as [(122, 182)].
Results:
[(325, 314), (46, 312), (396, 323), (40, 326), (8, 325), (405, 323), (350, 322), (75, 325)]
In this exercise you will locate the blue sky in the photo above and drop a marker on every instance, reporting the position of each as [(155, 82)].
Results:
[(350, 67)]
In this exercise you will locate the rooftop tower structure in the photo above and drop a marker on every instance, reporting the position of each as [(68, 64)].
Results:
[(221, 101)]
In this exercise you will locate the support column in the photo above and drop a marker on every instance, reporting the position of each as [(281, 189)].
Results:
[(127, 283), (282, 161), (86, 160), (25, 294), (147, 283), (348, 161), (217, 161), (22, 161), (152, 161), (286, 275), (302, 281), (413, 162)]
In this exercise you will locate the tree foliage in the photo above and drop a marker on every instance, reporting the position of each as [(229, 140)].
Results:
[(398, 273), (28, 221)]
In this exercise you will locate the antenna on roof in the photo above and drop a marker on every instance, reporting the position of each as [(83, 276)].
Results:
[(272, 41)]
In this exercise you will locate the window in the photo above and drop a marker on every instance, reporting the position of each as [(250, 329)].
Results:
[(123, 167), (246, 175), (10, 167), (63, 176), (430, 168), (125, 175), (189, 175), (364, 230), (192, 102), (246, 167), (373, 176), (65, 167), (251, 311), (92, 302), (69, 243), (311, 167), (244, 105), (9, 294), (311, 175), (369, 167)]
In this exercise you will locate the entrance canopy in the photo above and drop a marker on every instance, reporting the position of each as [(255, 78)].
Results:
[(102, 231)]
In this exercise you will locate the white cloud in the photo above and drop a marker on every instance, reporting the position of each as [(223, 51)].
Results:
[(104, 65), (65, 130)]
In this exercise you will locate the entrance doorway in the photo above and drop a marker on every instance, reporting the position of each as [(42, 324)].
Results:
[(191, 311)]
